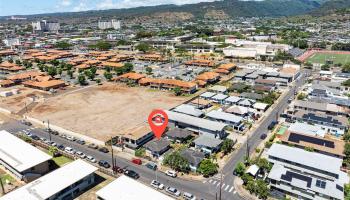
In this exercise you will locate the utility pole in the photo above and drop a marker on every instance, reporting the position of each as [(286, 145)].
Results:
[(112, 153), (247, 153), (220, 186), (48, 129)]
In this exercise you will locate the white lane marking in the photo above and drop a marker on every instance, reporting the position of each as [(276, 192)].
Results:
[(231, 189), (234, 192), (223, 185), (204, 181), (227, 187), (214, 182), (210, 181), (218, 184)]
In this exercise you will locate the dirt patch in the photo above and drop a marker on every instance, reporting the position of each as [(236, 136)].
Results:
[(102, 112)]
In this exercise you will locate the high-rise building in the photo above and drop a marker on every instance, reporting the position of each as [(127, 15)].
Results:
[(46, 26), (113, 24)]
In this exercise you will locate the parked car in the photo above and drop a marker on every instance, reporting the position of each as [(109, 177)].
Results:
[(104, 164), (152, 166), (171, 173), (51, 143), (70, 138), (189, 196), (35, 137), (69, 150), (80, 154), (118, 169), (26, 122), (173, 191), (157, 184), (263, 136), (103, 149), (60, 147), (272, 125), (56, 154), (80, 141), (63, 136), (131, 174), (136, 161), (93, 146), (53, 132), (90, 159), (27, 133)]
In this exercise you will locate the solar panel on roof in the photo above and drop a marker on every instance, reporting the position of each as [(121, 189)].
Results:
[(290, 175), (297, 138)]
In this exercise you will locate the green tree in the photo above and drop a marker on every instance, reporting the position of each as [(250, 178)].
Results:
[(149, 70), (240, 169), (144, 47), (325, 67), (262, 189), (250, 186), (208, 168), (93, 70), (63, 45), (176, 162), (346, 83), (346, 136), (140, 152), (346, 68), (10, 60), (54, 62), (70, 73), (227, 146), (177, 91), (18, 62), (52, 71), (81, 79), (59, 71), (246, 178), (102, 46), (264, 164), (108, 75), (347, 149), (301, 96), (128, 67), (53, 150), (89, 74)]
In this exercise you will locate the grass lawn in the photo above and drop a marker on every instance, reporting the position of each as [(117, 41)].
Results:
[(323, 57), (61, 160)]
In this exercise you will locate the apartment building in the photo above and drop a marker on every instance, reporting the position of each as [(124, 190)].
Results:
[(308, 175)]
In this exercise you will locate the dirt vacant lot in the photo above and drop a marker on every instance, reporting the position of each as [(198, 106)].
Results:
[(17, 102), (101, 112)]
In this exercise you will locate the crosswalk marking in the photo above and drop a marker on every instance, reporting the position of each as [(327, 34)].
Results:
[(223, 185), (231, 189), (227, 187), (210, 181), (234, 192), (218, 184), (205, 181), (214, 182)]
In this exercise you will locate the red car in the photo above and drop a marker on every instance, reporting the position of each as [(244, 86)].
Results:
[(137, 161)]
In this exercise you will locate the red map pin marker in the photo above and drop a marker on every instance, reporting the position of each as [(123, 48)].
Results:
[(158, 121)]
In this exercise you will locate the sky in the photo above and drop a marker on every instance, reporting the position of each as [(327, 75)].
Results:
[(27, 7)]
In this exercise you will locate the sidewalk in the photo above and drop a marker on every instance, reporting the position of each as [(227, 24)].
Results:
[(243, 193)]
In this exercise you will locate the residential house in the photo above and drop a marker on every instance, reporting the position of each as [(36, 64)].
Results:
[(194, 158), (235, 121), (178, 135), (207, 144), (156, 147), (197, 125)]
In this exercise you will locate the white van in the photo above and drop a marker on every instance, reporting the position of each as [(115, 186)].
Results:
[(69, 150), (189, 196)]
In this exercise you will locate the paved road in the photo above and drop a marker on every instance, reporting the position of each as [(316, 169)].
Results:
[(207, 189)]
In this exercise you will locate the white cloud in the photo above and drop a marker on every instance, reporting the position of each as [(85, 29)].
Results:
[(81, 6), (65, 3), (110, 4)]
